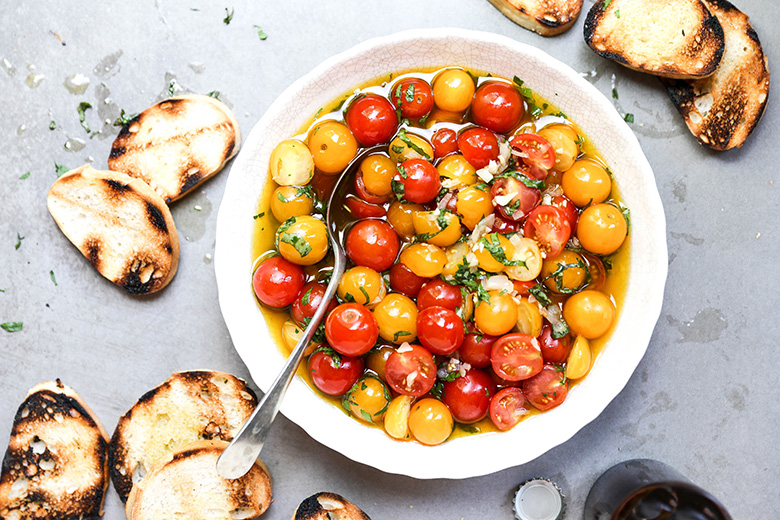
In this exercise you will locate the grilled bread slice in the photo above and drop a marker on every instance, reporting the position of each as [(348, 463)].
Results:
[(56, 463), (119, 224), (185, 485), (177, 144), (187, 407), (723, 109), (679, 39), (327, 506), (546, 17)]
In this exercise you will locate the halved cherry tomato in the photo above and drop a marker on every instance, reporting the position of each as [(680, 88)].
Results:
[(351, 329), (445, 142), (308, 301), (547, 389), (277, 282), (563, 203), (497, 106), (438, 292), (504, 226), (440, 330), (333, 373), (404, 281), (479, 146), (361, 209), (554, 350), (516, 356), (414, 96), (475, 349), (508, 407), (549, 227), (523, 198), (417, 180), (372, 119), (410, 370), (535, 150), (468, 396), (372, 243), (523, 287)]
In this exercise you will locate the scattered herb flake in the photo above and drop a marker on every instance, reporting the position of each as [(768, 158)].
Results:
[(24, 175), (403, 136), (54, 280), (82, 108), (626, 215), (19, 239), (306, 296), (614, 93), (11, 326), (260, 33), (214, 94), (629, 117), (228, 16), (194, 9), (617, 13), (172, 88), (397, 334), (605, 5), (259, 215), (124, 118), (52, 125), (365, 294), (298, 242), (60, 169)]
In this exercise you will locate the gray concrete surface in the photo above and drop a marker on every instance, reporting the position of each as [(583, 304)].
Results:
[(704, 399)]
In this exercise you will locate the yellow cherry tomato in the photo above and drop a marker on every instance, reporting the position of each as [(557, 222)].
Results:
[(430, 421), (440, 228), (396, 317), (443, 116), (563, 139), (473, 205), (586, 182), (496, 316), (378, 171), (292, 334), (377, 359), (589, 313), (566, 273), (332, 145), (291, 201), (407, 146), (456, 172), (602, 229), (529, 319), (400, 217), (456, 255), (526, 251), (425, 260), (291, 163), (397, 417), (493, 252), (302, 240), (362, 285), (368, 399), (579, 360), (453, 90)]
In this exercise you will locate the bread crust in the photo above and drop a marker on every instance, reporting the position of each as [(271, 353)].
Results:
[(56, 465), (545, 17), (318, 506)]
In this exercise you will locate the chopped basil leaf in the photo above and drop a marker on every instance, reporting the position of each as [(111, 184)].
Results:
[(54, 280), (82, 108), (52, 125), (605, 5), (614, 93), (282, 198), (306, 191), (492, 243), (260, 33), (397, 334), (298, 242), (617, 13), (123, 118), (24, 176), (561, 114), (365, 294), (397, 149), (259, 215), (540, 293), (438, 389), (409, 93), (19, 239), (228, 16), (60, 169), (525, 91), (349, 298), (398, 189), (559, 272), (411, 144), (628, 118), (171, 88), (626, 215), (214, 94), (306, 296), (12, 326)]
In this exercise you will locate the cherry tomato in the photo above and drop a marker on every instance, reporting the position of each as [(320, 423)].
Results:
[(365, 194), (589, 313), (565, 273), (547, 389), (522, 287), (417, 180), (410, 370), (414, 96), (430, 421), (497, 106), (508, 407), (472, 204), (372, 243), (332, 373), (302, 240), (565, 142), (377, 358), (361, 209), (496, 316), (291, 201), (332, 145), (602, 229), (586, 182), (396, 316), (522, 199), (440, 330), (351, 329), (373, 181), (535, 150), (424, 259), (368, 399), (549, 227), (475, 349), (308, 301), (404, 281), (503, 225), (362, 285), (372, 119), (563, 203), (516, 357), (468, 396), (453, 90), (277, 282), (445, 142), (554, 350), (438, 292), (479, 146)]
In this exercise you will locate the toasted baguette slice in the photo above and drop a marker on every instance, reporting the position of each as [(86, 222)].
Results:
[(185, 485), (56, 463), (546, 17), (119, 224), (177, 144), (722, 110), (327, 506), (187, 407), (673, 39)]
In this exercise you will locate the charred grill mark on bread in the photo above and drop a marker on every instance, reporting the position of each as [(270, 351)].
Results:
[(116, 185), (156, 217), (320, 505)]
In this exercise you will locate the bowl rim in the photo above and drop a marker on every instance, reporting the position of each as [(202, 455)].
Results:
[(360, 441)]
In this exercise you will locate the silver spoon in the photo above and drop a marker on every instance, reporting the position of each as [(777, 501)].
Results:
[(242, 452)]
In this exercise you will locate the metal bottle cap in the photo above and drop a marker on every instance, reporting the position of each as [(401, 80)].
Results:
[(538, 499)]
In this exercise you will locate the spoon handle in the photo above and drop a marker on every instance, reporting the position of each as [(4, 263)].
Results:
[(243, 450)]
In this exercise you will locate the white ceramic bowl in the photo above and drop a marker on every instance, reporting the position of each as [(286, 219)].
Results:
[(555, 81)]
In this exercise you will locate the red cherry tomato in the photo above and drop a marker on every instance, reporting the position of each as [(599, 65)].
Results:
[(504, 225), (547, 389), (497, 106), (414, 96), (410, 370), (516, 356), (479, 146), (372, 119), (277, 282), (372, 243), (522, 288), (535, 150), (549, 227), (437, 292), (468, 396), (508, 407), (308, 301), (445, 142), (361, 209), (419, 179), (554, 350), (404, 281), (475, 349), (351, 329), (333, 373), (525, 199), (440, 330), (568, 208)]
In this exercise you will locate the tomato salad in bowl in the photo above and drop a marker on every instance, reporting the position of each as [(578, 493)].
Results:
[(487, 258)]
